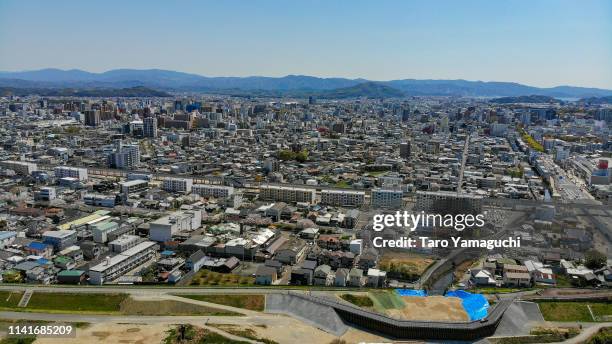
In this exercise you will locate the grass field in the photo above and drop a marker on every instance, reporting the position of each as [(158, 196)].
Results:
[(493, 290), (405, 266), (9, 299), (254, 302), (574, 311), (210, 278), (358, 300), (169, 307), (69, 303), (384, 300)]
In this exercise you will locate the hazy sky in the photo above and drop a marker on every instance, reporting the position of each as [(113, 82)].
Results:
[(541, 43)]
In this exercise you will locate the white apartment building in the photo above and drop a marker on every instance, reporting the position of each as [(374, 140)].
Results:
[(70, 172), (20, 167), (286, 194), (164, 228), (386, 198), (116, 266), (216, 191), (125, 156), (178, 185), (45, 194), (132, 186), (100, 200), (343, 198), (124, 243)]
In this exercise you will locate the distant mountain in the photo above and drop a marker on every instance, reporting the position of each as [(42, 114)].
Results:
[(533, 99), (366, 89), (287, 85), (597, 100), (72, 92)]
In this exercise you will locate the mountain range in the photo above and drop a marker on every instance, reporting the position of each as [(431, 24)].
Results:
[(290, 85)]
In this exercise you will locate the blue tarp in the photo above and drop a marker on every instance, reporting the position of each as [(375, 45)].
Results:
[(475, 305), (411, 292)]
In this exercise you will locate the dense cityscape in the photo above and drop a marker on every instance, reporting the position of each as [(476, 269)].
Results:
[(215, 190), (325, 172)]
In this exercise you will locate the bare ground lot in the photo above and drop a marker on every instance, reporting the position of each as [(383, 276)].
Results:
[(287, 330), (113, 333), (438, 308)]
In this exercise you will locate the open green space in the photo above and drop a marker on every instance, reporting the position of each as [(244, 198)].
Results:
[(210, 278), (384, 300), (538, 335), (358, 300), (68, 303), (254, 302), (405, 266), (169, 307), (9, 299), (494, 290), (574, 311)]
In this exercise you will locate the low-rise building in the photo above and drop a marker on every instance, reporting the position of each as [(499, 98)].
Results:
[(116, 266), (343, 198)]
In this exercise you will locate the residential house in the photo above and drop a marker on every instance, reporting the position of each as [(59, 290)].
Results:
[(341, 277), (265, 275), (323, 275), (356, 278)]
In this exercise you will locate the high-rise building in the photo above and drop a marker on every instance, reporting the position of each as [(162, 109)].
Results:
[(92, 118), (124, 156), (271, 165), (405, 114), (150, 127), (405, 150)]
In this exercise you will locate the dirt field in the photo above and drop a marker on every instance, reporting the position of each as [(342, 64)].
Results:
[(430, 308), (113, 333)]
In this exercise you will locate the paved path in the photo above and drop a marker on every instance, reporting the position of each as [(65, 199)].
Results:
[(587, 332)]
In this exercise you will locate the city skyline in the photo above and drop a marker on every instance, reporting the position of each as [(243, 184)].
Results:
[(540, 44)]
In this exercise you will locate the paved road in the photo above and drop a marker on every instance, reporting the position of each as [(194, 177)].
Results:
[(153, 291)]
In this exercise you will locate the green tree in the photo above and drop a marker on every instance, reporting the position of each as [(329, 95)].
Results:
[(286, 155), (595, 259), (302, 156)]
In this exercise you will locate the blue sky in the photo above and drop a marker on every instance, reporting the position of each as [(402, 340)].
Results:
[(540, 43)]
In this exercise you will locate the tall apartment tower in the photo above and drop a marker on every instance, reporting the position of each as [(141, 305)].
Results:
[(92, 118), (150, 127), (124, 156), (405, 150)]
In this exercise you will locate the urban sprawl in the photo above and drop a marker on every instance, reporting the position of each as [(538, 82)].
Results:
[(220, 190)]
